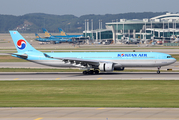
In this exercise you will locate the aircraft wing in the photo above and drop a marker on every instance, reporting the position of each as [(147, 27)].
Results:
[(79, 62)]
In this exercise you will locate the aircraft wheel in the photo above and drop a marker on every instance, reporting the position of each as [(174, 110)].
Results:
[(158, 72), (96, 71), (91, 72), (85, 72)]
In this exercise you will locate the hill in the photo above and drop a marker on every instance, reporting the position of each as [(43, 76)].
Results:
[(34, 22)]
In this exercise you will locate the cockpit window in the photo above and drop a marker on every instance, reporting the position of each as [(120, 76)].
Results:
[(169, 57)]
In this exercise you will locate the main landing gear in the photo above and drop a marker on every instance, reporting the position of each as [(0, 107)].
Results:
[(90, 72), (158, 72)]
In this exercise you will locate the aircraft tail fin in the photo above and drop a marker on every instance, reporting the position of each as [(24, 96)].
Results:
[(21, 43), (37, 35), (62, 33), (47, 34)]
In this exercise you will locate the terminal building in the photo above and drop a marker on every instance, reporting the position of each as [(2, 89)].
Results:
[(164, 28)]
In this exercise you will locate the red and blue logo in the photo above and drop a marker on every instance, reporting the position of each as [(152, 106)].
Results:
[(21, 44)]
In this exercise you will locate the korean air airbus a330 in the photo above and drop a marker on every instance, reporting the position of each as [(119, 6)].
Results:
[(91, 62)]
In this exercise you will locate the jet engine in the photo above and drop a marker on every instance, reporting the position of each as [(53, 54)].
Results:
[(106, 67), (119, 68)]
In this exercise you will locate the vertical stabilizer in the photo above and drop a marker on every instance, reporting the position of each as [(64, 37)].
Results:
[(37, 35), (20, 43), (62, 33), (47, 34)]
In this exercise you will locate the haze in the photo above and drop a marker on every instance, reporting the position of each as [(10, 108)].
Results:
[(83, 7)]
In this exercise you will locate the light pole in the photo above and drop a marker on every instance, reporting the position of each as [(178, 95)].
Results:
[(145, 30), (123, 28), (101, 25), (163, 31), (92, 28), (99, 30), (151, 26), (85, 27), (116, 25), (116, 29), (173, 27)]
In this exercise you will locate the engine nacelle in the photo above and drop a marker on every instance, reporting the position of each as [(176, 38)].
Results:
[(119, 68), (106, 67)]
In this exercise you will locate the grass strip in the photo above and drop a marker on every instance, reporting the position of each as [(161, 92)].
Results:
[(93, 93)]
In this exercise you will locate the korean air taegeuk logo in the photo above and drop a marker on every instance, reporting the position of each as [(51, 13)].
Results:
[(21, 44)]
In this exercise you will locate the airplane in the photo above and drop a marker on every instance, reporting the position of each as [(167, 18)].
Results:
[(52, 39), (90, 62), (62, 34)]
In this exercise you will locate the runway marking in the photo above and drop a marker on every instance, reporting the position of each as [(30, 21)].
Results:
[(38, 119), (100, 108), (16, 78), (99, 78), (57, 78)]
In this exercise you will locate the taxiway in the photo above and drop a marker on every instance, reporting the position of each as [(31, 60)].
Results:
[(174, 66), (80, 76), (76, 113)]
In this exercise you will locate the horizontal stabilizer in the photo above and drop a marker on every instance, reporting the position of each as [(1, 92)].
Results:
[(24, 56)]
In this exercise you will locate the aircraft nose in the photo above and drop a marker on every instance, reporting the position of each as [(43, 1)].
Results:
[(174, 60)]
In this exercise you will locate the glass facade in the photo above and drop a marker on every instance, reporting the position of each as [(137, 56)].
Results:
[(106, 35), (101, 35), (131, 28), (140, 29)]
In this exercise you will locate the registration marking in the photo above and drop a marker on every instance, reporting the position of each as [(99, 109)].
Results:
[(38, 119)]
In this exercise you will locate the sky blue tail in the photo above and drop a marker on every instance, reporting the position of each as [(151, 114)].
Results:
[(20, 43), (62, 32)]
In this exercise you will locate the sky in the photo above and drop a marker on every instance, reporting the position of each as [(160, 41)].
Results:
[(85, 7)]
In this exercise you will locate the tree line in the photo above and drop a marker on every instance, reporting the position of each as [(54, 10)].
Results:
[(34, 22)]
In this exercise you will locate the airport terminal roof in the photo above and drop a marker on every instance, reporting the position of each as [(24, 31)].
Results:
[(167, 16), (157, 19)]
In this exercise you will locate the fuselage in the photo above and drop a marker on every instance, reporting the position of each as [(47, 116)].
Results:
[(53, 39), (69, 36), (120, 59)]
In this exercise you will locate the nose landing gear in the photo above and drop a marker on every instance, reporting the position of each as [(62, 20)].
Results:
[(158, 72)]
